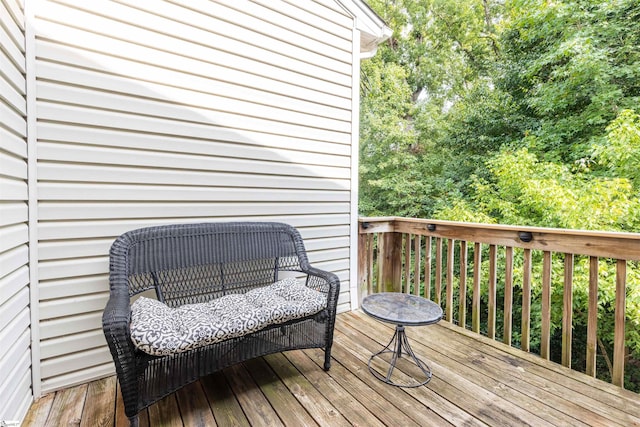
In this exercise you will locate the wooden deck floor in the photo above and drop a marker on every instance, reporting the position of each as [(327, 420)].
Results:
[(476, 382)]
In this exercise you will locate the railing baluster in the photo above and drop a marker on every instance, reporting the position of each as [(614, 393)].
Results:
[(417, 249), (508, 296), (618, 341), (592, 319), (545, 335), (477, 278), (493, 280), (449, 290), (438, 284), (427, 267), (526, 301), (567, 310), (407, 263), (462, 294), (372, 239)]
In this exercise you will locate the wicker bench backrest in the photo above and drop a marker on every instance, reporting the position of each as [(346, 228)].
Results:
[(192, 263)]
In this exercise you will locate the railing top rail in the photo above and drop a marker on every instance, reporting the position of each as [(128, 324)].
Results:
[(606, 244)]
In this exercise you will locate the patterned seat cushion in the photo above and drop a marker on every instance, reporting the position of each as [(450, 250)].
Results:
[(159, 330)]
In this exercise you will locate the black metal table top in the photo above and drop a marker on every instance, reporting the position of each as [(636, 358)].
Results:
[(401, 309)]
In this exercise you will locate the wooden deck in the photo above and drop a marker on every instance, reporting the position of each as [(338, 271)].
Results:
[(476, 382)]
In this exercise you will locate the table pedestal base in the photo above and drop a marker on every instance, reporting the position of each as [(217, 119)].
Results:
[(400, 346)]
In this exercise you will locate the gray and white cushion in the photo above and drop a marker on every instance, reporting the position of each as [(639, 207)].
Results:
[(159, 330)]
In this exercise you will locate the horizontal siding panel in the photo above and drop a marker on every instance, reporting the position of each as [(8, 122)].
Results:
[(113, 228), (280, 69), (16, 328), (12, 119), (63, 191), (14, 356), (116, 210), (160, 162), (10, 94), (13, 166), (225, 143), (12, 42), (287, 16), (13, 305), (74, 286), (197, 108), (205, 77), (328, 255), (79, 377), (14, 11), (12, 25), (336, 230), (51, 328), (171, 86), (156, 31), (73, 249), (74, 362), (13, 259), (13, 143), (73, 267), (73, 306), (13, 213), (11, 72), (127, 175), (13, 281), (326, 243), (16, 391), (17, 366), (308, 11), (13, 236), (72, 343), (13, 189), (102, 118)]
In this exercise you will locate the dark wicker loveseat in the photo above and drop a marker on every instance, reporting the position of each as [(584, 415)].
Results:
[(195, 264)]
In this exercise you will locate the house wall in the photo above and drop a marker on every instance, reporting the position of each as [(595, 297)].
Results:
[(169, 112), (15, 358)]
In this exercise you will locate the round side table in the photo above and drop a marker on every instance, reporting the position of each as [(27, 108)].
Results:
[(401, 310)]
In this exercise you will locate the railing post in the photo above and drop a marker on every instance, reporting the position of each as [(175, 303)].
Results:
[(390, 262)]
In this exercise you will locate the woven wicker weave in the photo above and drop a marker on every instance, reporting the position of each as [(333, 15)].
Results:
[(191, 263)]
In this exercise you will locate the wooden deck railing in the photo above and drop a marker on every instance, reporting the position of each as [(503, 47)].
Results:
[(463, 265)]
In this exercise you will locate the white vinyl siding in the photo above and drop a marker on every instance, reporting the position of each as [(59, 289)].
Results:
[(15, 332), (181, 111)]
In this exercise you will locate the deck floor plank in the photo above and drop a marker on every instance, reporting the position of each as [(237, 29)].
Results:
[(477, 381), (194, 406), (39, 411), (226, 408), (254, 404), (314, 402), (100, 404), (351, 409), (165, 413), (67, 407), (288, 408)]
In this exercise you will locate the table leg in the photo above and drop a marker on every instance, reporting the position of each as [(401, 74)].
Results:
[(401, 344)]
